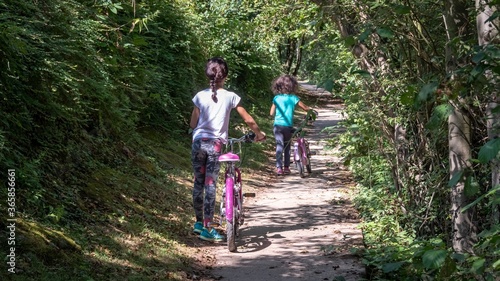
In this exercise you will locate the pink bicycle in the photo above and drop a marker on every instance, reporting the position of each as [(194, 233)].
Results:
[(231, 209), (301, 151)]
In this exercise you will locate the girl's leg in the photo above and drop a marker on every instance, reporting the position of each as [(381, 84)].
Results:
[(213, 149), (280, 144), (287, 138), (198, 159)]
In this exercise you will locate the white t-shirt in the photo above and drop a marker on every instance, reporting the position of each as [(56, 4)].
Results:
[(213, 122)]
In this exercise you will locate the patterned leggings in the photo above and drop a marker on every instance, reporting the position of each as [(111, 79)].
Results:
[(206, 167)]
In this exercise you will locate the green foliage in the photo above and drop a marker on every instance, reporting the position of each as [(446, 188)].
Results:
[(96, 97), (396, 77), (489, 151), (430, 260), (92, 90), (234, 35)]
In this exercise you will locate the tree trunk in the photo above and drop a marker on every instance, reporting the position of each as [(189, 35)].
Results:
[(487, 32), (463, 229), (299, 55), (463, 236), (290, 52)]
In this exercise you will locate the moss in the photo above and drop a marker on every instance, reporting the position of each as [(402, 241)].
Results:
[(43, 239)]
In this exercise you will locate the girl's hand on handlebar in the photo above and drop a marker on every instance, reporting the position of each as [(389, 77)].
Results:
[(260, 137)]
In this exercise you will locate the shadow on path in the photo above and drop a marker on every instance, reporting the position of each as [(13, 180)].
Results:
[(299, 228)]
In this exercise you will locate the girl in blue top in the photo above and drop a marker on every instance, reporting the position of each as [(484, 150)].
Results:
[(282, 109)]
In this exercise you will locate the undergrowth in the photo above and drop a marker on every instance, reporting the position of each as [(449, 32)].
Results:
[(394, 251), (127, 220), (119, 220)]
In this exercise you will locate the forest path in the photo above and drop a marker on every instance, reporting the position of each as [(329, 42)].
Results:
[(298, 229)]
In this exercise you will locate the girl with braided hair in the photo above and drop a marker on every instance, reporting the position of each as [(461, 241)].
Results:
[(210, 123)]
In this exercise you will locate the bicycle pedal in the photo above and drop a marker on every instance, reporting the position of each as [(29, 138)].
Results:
[(213, 224), (249, 194)]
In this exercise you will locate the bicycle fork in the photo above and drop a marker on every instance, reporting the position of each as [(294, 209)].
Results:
[(299, 152), (231, 196)]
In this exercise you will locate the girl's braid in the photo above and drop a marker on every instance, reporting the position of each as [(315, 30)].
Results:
[(216, 70)]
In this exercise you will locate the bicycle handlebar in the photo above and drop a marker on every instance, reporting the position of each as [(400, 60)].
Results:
[(249, 137), (310, 116)]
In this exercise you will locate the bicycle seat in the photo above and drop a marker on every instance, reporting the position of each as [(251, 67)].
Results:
[(229, 157)]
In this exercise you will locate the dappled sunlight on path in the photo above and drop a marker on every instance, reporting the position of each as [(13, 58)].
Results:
[(299, 229)]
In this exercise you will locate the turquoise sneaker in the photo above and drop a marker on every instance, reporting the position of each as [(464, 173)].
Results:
[(198, 227), (211, 235)]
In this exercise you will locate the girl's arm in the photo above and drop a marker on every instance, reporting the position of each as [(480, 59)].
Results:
[(303, 106), (251, 123), (273, 110), (311, 113), (194, 117)]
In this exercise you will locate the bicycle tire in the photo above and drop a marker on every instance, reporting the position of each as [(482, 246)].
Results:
[(308, 153), (308, 166), (299, 163), (230, 215), (300, 167)]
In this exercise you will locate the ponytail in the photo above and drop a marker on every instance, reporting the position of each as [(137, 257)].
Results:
[(213, 86), (216, 70)]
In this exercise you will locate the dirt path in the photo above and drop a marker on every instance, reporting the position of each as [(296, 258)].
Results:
[(298, 229)]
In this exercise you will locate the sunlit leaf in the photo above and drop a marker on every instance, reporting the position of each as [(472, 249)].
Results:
[(434, 259), (496, 265), (478, 266), (489, 151), (439, 115)]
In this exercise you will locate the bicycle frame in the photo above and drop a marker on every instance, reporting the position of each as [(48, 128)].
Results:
[(301, 153), (232, 178), (232, 201)]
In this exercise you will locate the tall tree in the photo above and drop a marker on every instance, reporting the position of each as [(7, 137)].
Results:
[(463, 228), (487, 29)]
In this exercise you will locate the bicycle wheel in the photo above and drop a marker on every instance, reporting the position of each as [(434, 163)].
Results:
[(299, 162), (308, 158), (230, 214), (308, 165)]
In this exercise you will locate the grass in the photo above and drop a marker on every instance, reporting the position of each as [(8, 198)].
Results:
[(130, 219)]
